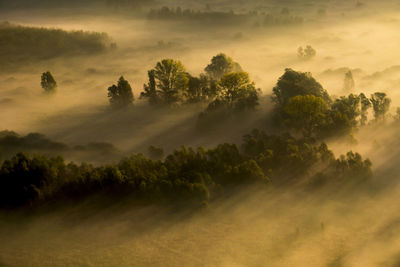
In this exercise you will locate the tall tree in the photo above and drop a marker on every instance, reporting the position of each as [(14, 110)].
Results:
[(365, 105), (380, 104), (150, 89), (48, 82), (171, 81), (120, 95), (349, 83)]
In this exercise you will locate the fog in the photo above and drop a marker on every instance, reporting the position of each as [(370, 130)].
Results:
[(353, 226)]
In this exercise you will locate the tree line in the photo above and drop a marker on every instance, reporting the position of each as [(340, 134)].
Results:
[(301, 104), (187, 175)]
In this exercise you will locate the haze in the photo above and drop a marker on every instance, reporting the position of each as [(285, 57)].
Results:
[(288, 222)]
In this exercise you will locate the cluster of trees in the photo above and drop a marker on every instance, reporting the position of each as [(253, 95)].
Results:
[(281, 20), (225, 18), (23, 44), (306, 53), (224, 85), (12, 143), (186, 175), (178, 13), (117, 4), (303, 105)]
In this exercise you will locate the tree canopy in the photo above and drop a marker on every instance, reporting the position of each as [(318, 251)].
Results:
[(293, 83), (220, 65), (380, 104), (120, 95), (306, 113), (168, 83)]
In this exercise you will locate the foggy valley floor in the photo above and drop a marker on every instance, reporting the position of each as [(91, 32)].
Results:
[(199, 133)]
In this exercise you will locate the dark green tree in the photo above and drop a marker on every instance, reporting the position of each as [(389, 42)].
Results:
[(120, 95), (306, 114), (293, 83), (48, 82), (150, 91), (198, 89), (349, 107)]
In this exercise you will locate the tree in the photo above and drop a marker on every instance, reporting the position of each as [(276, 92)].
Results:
[(380, 104), (307, 53), (48, 82), (120, 95), (150, 89), (306, 113), (349, 83), (198, 89), (220, 65), (365, 105), (236, 93), (168, 83), (293, 83), (348, 107)]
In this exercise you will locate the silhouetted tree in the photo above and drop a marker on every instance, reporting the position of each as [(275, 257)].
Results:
[(349, 83), (48, 82), (150, 91), (380, 104), (365, 105), (120, 95)]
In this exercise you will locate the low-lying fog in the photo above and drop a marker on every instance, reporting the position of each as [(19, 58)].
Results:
[(287, 228)]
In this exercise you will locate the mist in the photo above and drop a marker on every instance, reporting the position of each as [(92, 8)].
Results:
[(302, 210)]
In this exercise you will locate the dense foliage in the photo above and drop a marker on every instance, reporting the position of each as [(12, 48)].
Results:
[(11, 143), (224, 87), (120, 95), (19, 44), (302, 105), (185, 175)]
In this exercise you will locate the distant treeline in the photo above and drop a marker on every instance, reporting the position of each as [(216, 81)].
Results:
[(300, 103), (187, 175), (226, 18), (43, 4), (20, 44), (11, 143)]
